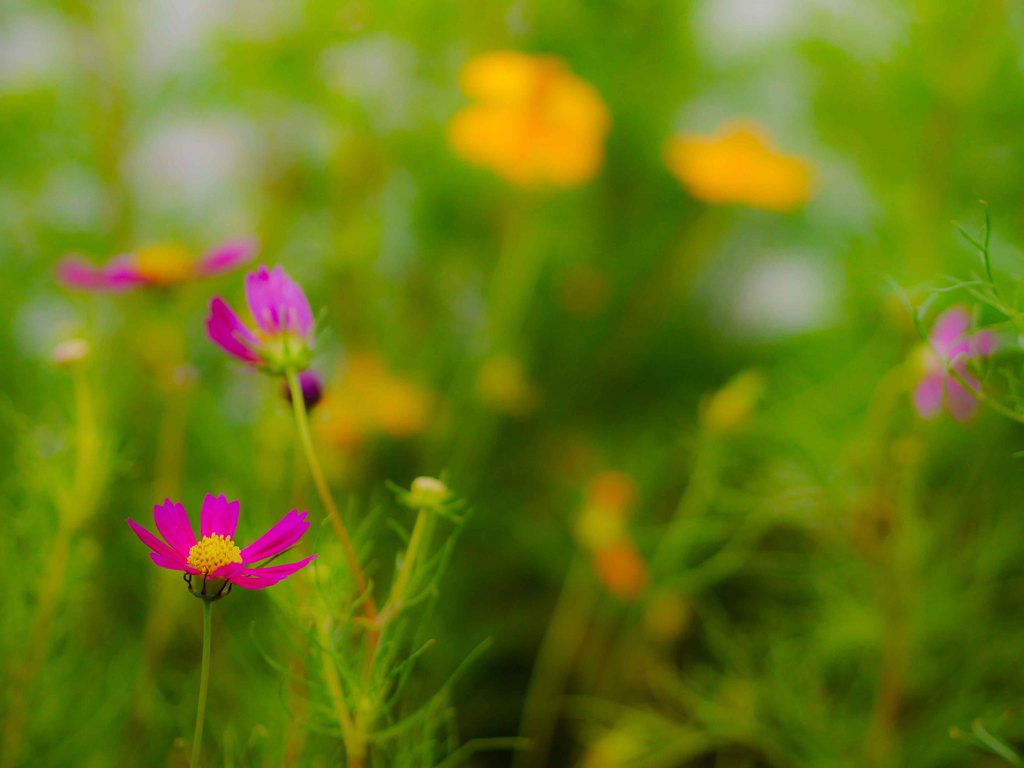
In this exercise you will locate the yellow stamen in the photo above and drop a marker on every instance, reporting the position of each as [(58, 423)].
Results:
[(164, 264), (211, 552)]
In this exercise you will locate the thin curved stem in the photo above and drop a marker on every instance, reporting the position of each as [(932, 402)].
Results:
[(362, 586), (204, 682), (302, 422)]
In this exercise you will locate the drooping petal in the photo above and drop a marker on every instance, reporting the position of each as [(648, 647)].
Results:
[(259, 578), (118, 275), (218, 516), (225, 257), (277, 303), (172, 522), (225, 329), (165, 551), (929, 393), (282, 535), (949, 328), (961, 403)]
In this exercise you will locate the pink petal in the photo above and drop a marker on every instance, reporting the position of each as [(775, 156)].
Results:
[(277, 303), (218, 516), (225, 329), (961, 403), (983, 344), (172, 522), (260, 578), (228, 571), (225, 257), (171, 563), (119, 275), (164, 551), (949, 328), (282, 535), (928, 395)]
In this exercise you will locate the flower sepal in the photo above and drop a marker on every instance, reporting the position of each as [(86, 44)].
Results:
[(207, 588), (284, 353)]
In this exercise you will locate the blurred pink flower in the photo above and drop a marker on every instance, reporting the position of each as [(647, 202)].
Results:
[(158, 266), (284, 323), (215, 557), (951, 350)]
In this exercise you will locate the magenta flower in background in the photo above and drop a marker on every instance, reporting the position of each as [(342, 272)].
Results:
[(155, 266), (215, 557), (282, 338), (951, 349)]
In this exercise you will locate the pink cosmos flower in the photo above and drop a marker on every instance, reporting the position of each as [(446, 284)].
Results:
[(282, 338), (154, 266), (951, 349), (215, 557)]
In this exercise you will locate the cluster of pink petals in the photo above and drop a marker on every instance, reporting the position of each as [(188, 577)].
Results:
[(122, 273), (283, 318), (220, 516), (953, 350)]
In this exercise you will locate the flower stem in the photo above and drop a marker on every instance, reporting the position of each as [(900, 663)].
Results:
[(362, 586), (408, 563), (204, 680), (565, 633)]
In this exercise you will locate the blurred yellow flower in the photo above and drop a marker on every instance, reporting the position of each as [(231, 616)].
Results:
[(367, 400), (731, 408), (740, 165), (503, 386), (533, 122), (608, 502)]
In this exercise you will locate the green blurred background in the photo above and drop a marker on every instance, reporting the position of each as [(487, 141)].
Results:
[(846, 576)]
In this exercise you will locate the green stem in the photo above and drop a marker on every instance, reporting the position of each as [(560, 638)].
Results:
[(408, 561), (565, 633), (362, 586), (692, 502), (302, 422), (204, 681)]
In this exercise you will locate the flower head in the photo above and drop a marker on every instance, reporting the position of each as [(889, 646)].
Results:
[(154, 266), (214, 562), (739, 165), (282, 338), (534, 122), (950, 350)]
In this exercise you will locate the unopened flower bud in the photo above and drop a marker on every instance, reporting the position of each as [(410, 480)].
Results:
[(427, 492)]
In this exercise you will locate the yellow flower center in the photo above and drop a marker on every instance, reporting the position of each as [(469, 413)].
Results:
[(211, 552), (164, 264)]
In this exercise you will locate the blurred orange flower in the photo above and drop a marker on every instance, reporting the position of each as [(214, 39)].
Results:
[(601, 531), (534, 122), (367, 400), (621, 569), (740, 165)]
